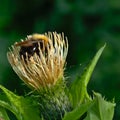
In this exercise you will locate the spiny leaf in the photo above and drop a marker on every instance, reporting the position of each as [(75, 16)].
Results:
[(22, 108), (78, 89), (101, 110)]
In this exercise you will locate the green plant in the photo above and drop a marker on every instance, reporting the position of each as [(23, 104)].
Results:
[(43, 71)]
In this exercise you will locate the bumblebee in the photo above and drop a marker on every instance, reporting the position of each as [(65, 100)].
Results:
[(31, 45)]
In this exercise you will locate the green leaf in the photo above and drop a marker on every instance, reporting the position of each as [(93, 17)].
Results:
[(78, 89), (3, 114), (101, 110), (22, 108), (78, 112)]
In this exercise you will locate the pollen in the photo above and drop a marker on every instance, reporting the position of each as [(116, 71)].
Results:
[(37, 36)]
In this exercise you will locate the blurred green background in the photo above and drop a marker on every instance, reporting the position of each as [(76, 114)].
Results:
[(88, 24)]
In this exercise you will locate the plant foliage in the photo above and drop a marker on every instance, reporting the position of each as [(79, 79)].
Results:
[(84, 107)]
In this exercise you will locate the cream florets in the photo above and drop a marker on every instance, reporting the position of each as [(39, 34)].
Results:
[(39, 59)]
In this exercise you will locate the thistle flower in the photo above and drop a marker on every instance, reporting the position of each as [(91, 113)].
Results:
[(39, 59)]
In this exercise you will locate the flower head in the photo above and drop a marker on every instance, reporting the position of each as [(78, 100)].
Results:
[(39, 59)]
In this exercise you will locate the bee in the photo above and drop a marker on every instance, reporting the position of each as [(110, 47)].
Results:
[(32, 44)]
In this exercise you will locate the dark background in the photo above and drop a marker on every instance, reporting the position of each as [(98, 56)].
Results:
[(88, 24)]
